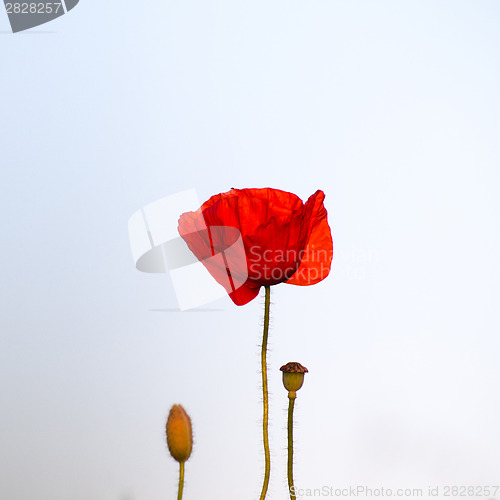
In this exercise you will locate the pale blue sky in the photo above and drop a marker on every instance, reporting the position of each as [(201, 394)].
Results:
[(390, 107)]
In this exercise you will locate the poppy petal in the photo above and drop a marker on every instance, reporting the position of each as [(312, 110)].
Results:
[(317, 257), (244, 294)]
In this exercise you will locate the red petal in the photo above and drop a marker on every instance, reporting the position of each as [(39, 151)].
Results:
[(317, 259), (244, 295)]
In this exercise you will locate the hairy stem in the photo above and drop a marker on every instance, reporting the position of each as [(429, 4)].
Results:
[(265, 419), (291, 489), (181, 480)]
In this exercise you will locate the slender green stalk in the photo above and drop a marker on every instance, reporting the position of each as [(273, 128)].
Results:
[(291, 489), (181, 480), (265, 395)]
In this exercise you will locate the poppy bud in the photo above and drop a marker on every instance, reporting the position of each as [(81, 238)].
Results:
[(293, 377), (179, 433)]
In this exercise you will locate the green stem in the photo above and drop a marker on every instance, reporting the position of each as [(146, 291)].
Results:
[(265, 418), (291, 489), (181, 480)]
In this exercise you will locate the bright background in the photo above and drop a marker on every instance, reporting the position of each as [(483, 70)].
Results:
[(391, 107)]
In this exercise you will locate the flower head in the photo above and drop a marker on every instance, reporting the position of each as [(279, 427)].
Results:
[(248, 238), (179, 433), (293, 377)]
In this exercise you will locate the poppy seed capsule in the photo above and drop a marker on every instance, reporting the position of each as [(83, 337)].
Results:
[(293, 377), (179, 433)]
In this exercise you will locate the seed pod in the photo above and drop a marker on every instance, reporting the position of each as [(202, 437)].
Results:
[(293, 377), (179, 433)]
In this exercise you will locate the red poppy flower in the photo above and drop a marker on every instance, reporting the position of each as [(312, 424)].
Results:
[(248, 238)]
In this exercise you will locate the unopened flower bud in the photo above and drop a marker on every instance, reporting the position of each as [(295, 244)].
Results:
[(293, 377), (179, 433)]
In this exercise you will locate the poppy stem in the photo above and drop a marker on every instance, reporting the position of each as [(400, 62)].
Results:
[(291, 489), (265, 394), (181, 480)]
